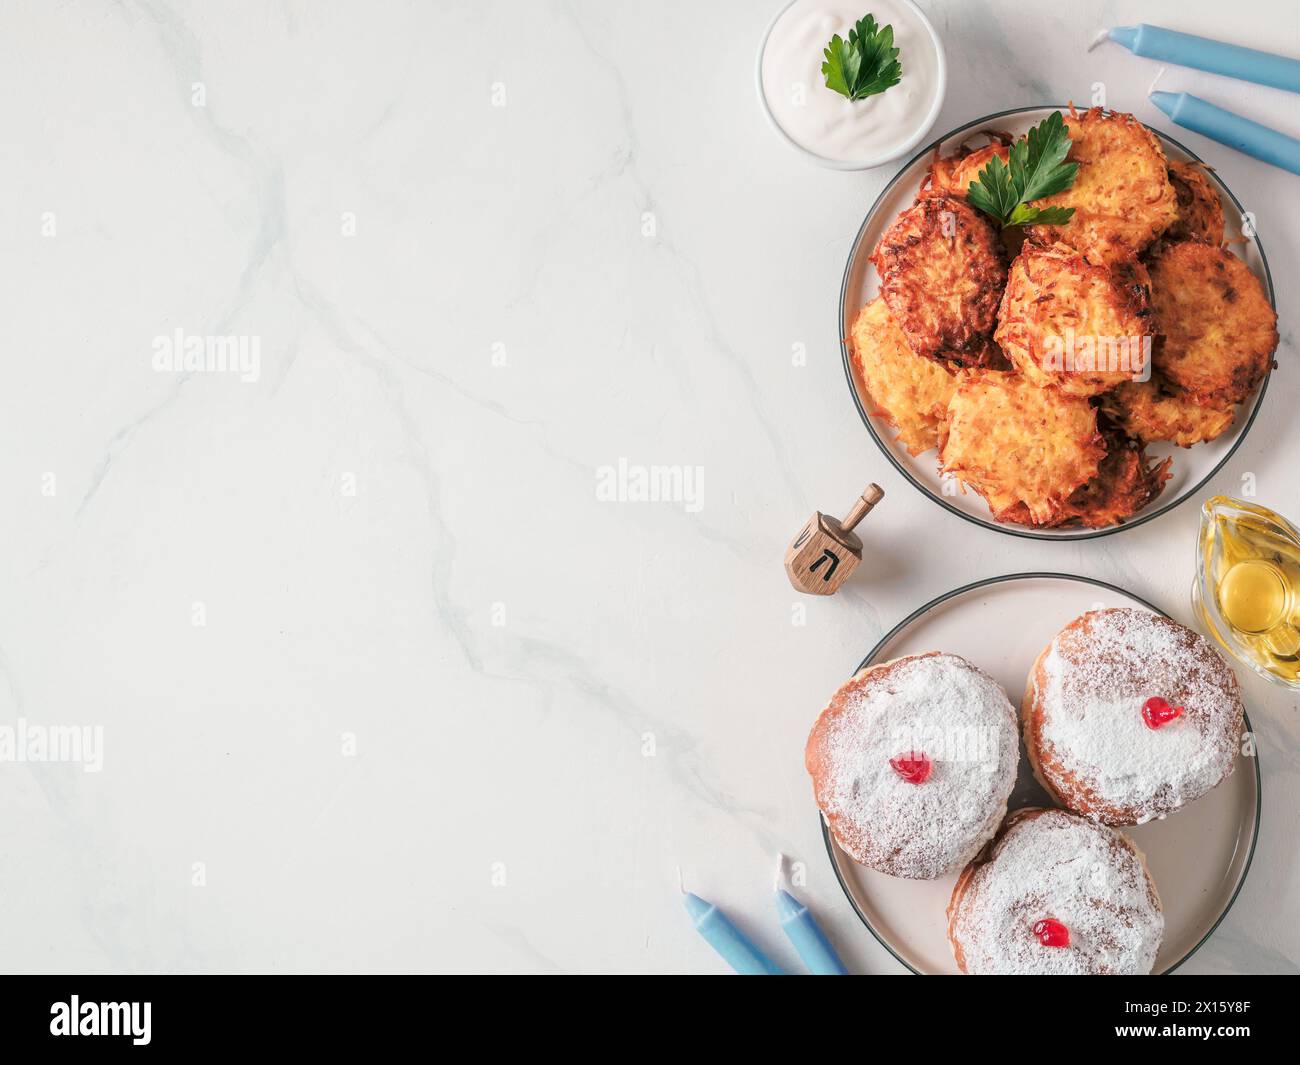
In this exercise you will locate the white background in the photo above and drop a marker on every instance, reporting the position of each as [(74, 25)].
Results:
[(480, 226)]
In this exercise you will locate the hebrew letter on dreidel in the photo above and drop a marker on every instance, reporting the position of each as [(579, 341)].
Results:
[(826, 551)]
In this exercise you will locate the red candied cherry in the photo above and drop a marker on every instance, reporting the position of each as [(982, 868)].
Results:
[(1156, 712), (1051, 933), (913, 766)]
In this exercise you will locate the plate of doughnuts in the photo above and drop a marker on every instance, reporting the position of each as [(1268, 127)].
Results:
[(1058, 381), (1038, 773)]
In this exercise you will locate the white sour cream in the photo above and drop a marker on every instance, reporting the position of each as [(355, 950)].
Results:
[(842, 132)]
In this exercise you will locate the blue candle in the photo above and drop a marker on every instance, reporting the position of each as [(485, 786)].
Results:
[(728, 940), (808, 939), (1185, 50), (1193, 113)]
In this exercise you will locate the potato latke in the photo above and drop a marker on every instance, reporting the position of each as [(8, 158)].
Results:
[(1024, 448), (1122, 196), (942, 270), (1200, 211), (1150, 411), (909, 392), (951, 175), (1125, 483), (1219, 330), (1073, 325)]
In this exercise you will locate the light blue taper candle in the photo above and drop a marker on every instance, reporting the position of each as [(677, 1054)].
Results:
[(808, 939), (728, 940), (1186, 50), (1196, 114)]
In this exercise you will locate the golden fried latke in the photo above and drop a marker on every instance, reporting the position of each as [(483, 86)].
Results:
[(1024, 448), (1152, 411), (909, 392), (1122, 197), (1125, 483), (1219, 330), (942, 270), (951, 175), (1200, 211), (1077, 326)]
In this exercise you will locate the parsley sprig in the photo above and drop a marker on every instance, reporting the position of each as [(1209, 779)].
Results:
[(864, 65), (1036, 168)]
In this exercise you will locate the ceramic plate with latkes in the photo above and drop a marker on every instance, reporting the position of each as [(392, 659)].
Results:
[(1191, 467)]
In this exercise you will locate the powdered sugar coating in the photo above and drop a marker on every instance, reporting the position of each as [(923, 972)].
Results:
[(1053, 864), (1084, 726), (937, 704)]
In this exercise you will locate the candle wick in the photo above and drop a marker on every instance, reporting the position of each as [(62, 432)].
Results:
[(1101, 36), (1159, 74)]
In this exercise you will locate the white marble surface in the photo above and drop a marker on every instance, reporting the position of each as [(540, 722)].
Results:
[(497, 640)]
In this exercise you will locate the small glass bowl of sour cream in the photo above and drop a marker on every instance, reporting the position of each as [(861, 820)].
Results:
[(825, 126)]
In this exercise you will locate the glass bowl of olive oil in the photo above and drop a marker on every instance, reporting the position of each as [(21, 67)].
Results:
[(1247, 587)]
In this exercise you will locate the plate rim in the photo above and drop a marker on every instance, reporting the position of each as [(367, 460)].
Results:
[(887, 451), (1031, 575)]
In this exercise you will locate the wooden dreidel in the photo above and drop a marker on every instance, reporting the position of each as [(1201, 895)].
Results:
[(826, 551)]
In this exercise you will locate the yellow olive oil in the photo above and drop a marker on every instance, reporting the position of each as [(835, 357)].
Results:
[(1247, 592)]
